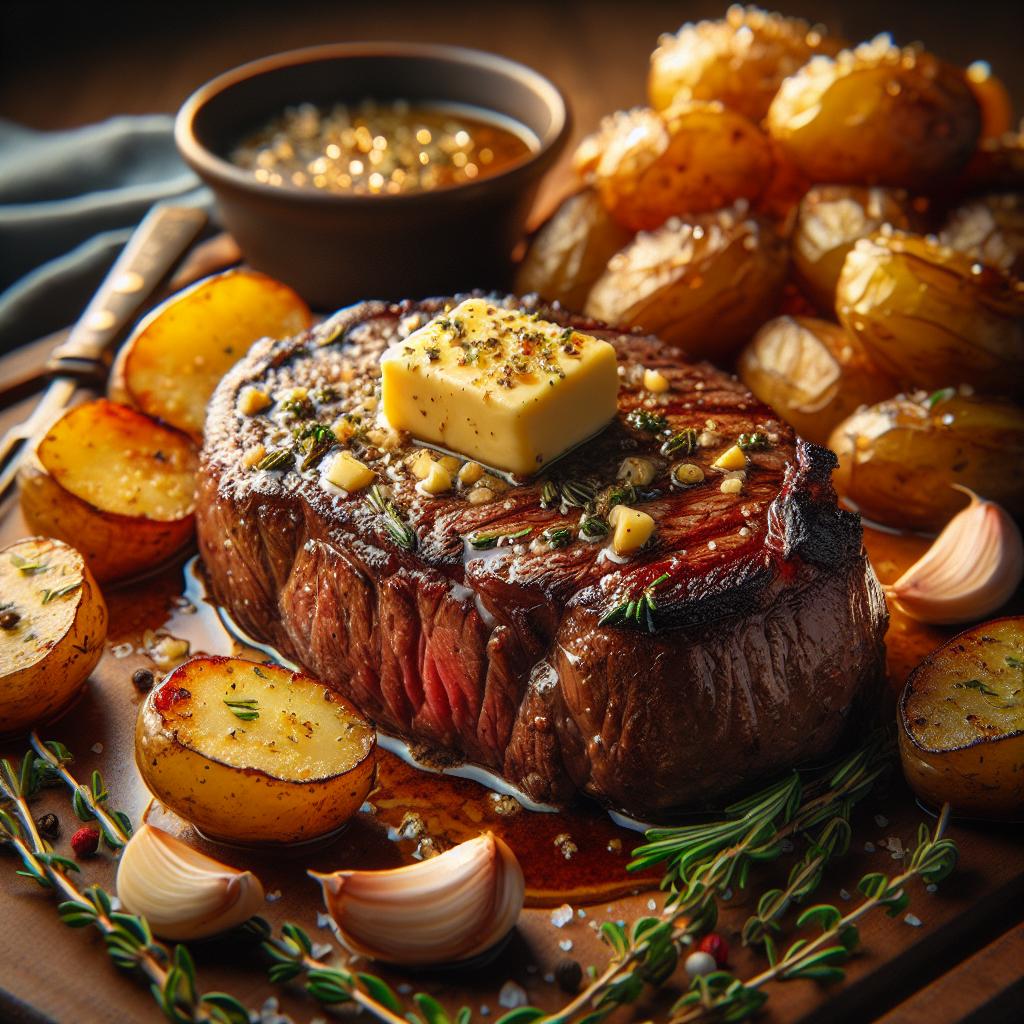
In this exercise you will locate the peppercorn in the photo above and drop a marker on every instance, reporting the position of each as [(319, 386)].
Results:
[(714, 944), (143, 680), (85, 841), (9, 619), (569, 975), (48, 825)]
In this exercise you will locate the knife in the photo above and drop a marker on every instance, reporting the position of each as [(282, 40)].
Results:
[(84, 358)]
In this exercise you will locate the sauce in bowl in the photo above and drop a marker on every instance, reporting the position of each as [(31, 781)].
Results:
[(383, 148)]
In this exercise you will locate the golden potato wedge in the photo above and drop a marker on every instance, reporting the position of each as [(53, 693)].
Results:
[(961, 719), (989, 230), (994, 100), (696, 157), (178, 354), (254, 753), (929, 316), (899, 459), (812, 373), (570, 251), (877, 115), (739, 60), (53, 622), (116, 484), (704, 283), (615, 125), (830, 219)]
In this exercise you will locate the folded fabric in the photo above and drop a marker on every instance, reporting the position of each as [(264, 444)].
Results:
[(68, 202)]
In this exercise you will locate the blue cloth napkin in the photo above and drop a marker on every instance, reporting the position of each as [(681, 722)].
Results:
[(68, 202)]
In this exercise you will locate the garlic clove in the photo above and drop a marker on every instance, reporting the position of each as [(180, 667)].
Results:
[(443, 910), (182, 893), (974, 567)]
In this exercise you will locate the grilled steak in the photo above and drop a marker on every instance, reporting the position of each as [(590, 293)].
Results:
[(747, 630)]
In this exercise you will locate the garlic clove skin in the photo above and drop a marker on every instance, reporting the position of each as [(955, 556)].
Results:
[(974, 567), (182, 893), (440, 911)]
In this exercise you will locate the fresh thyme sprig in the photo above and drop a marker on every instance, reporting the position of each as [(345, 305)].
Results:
[(485, 540), (635, 611), (400, 531), (722, 996)]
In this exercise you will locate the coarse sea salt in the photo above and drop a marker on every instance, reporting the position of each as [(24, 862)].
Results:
[(511, 996), (561, 916)]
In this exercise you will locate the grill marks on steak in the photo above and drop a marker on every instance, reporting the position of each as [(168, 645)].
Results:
[(769, 630)]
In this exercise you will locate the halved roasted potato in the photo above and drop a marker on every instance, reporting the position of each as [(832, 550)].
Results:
[(178, 354), (899, 459), (254, 753), (877, 115), (704, 283), (812, 373), (989, 230), (961, 721), (930, 316), (570, 251), (52, 626), (116, 484), (696, 157), (830, 219), (739, 60)]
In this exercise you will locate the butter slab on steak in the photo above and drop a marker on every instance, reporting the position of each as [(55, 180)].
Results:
[(768, 632)]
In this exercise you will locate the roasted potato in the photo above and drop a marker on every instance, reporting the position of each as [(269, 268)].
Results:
[(829, 220), (254, 753), (961, 719), (929, 316), (177, 355), (52, 626), (696, 157), (877, 115), (570, 251), (704, 283), (899, 459), (739, 60), (993, 99), (116, 484), (989, 230), (812, 373)]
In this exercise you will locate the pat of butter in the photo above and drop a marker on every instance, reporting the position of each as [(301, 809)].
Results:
[(499, 386)]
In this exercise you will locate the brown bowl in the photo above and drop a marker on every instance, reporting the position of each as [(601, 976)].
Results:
[(337, 248)]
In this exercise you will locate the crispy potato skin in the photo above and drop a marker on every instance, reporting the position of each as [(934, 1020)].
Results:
[(696, 157), (115, 545), (570, 251), (177, 355), (898, 459), (958, 744), (930, 316), (243, 805), (812, 372), (704, 283), (989, 230), (38, 681), (877, 115)]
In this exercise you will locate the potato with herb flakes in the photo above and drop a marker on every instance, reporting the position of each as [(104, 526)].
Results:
[(177, 355), (929, 315), (704, 283), (570, 251), (812, 373), (53, 623), (830, 219), (989, 230), (116, 484), (961, 718), (899, 459), (739, 60), (877, 115), (695, 158), (252, 753)]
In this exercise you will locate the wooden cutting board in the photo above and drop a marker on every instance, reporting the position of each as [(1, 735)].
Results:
[(963, 958)]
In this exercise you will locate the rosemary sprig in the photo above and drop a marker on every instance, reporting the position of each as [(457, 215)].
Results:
[(635, 611), (246, 710), (682, 443), (592, 526), (315, 441), (753, 441), (567, 493), (487, 539), (724, 997), (558, 536), (549, 494), (277, 458), (27, 566), (400, 531), (647, 421), (49, 595)]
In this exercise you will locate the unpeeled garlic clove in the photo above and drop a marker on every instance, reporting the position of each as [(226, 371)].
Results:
[(439, 911), (182, 893), (974, 566)]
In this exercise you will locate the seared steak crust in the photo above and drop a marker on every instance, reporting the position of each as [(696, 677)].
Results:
[(769, 628)]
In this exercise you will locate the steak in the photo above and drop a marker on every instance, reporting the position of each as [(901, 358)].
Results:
[(740, 641)]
